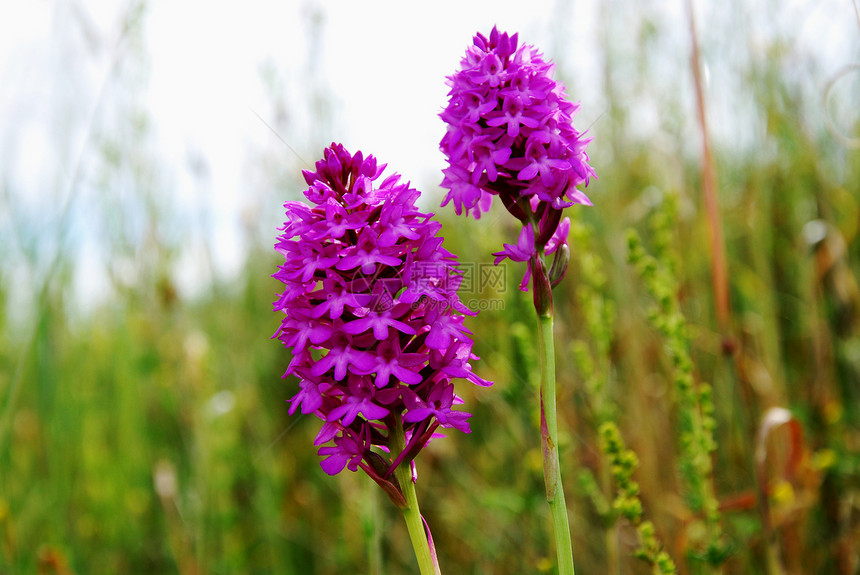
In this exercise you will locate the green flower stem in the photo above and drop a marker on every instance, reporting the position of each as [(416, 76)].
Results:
[(411, 513), (549, 437)]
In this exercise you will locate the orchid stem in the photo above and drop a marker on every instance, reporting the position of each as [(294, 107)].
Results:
[(411, 513), (549, 440)]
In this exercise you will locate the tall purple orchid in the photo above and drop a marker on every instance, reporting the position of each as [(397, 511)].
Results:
[(372, 317), (510, 134)]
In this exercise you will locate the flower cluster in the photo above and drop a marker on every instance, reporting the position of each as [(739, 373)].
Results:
[(372, 316), (510, 134)]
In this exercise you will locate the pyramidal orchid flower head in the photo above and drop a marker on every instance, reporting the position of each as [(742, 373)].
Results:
[(371, 314), (510, 134)]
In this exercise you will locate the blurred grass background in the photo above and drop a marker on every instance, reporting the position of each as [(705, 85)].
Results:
[(148, 432)]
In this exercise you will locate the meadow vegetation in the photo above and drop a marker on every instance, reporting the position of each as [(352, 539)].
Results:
[(151, 435)]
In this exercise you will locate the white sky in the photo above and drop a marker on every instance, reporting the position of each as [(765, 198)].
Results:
[(383, 61)]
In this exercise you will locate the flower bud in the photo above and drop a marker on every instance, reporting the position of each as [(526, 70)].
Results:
[(559, 265), (542, 289)]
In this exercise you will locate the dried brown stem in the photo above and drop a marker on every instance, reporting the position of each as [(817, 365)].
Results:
[(719, 268)]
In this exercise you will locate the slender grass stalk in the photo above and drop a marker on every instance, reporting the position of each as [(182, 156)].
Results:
[(612, 550), (773, 418), (719, 267), (411, 513), (549, 437), (772, 561)]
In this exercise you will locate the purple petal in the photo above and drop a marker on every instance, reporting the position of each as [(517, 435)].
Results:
[(335, 462)]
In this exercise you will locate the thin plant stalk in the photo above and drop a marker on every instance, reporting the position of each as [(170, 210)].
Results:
[(411, 512), (719, 267), (549, 437), (612, 551), (773, 418)]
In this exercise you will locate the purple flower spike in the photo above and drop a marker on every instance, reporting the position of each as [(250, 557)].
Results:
[(371, 314), (510, 134)]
